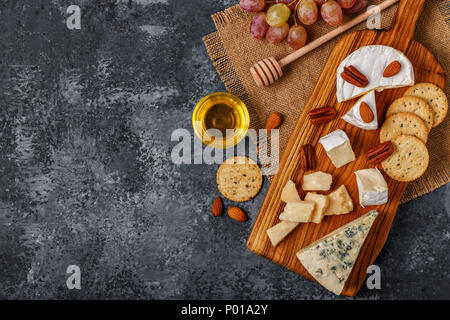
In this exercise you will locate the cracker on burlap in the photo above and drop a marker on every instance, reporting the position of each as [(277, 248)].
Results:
[(434, 96), (409, 160), (239, 178), (414, 105), (403, 123)]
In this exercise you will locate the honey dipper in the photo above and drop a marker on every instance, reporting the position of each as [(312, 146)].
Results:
[(267, 71)]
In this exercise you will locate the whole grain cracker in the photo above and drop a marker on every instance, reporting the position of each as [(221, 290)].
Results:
[(414, 105), (434, 96), (239, 178), (409, 160), (403, 123)]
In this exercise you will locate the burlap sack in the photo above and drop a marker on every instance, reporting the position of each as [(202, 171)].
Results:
[(233, 51)]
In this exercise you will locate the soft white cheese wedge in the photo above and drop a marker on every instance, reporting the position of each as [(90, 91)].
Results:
[(373, 189), (354, 116), (338, 148), (330, 259), (372, 61)]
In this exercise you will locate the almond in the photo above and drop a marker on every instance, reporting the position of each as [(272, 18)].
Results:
[(365, 112), (392, 69), (217, 207), (274, 121), (237, 214)]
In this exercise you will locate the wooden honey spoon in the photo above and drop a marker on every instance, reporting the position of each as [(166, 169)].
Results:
[(267, 71)]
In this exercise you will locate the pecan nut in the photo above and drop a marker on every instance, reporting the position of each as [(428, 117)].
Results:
[(353, 76), (380, 153), (322, 115), (308, 160)]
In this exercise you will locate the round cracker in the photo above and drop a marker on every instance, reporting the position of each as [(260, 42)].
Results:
[(239, 179), (403, 123), (414, 105), (409, 160), (434, 96)]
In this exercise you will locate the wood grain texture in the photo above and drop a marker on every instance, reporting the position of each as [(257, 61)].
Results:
[(426, 68)]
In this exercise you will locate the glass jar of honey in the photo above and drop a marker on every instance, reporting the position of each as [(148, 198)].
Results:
[(226, 114)]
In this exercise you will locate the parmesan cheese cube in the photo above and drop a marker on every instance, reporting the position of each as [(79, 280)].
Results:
[(279, 231), (340, 202), (289, 192), (317, 181), (321, 202), (300, 211)]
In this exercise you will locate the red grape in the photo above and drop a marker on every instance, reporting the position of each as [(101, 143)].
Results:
[(259, 26), (297, 37), (346, 4), (307, 12), (332, 13), (320, 2), (358, 6), (277, 34), (292, 3), (252, 5)]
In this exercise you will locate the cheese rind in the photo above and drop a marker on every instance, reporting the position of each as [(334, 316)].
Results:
[(300, 211), (373, 189), (321, 202), (289, 192), (338, 148), (279, 231), (372, 61), (340, 202), (330, 259), (354, 115), (317, 181)]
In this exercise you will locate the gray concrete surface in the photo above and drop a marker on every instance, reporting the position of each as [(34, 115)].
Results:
[(86, 177)]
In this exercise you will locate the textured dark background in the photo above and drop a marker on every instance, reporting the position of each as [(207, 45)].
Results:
[(86, 176)]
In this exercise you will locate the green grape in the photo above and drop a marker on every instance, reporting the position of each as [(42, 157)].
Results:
[(278, 14)]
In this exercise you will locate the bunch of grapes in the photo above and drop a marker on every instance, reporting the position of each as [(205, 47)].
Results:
[(272, 17)]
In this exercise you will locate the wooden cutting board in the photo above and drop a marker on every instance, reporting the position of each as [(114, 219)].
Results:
[(426, 68)]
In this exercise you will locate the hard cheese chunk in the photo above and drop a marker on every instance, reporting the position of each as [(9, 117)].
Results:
[(340, 202), (338, 148), (317, 181), (279, 231), (300, 211), (330, 260), (321, 202), (372, 61), (289, 192), (373, 189)]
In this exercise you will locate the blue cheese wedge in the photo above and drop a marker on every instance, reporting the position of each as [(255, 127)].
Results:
[(372, 61), (354, 116), (373, 189), (330, 260)]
